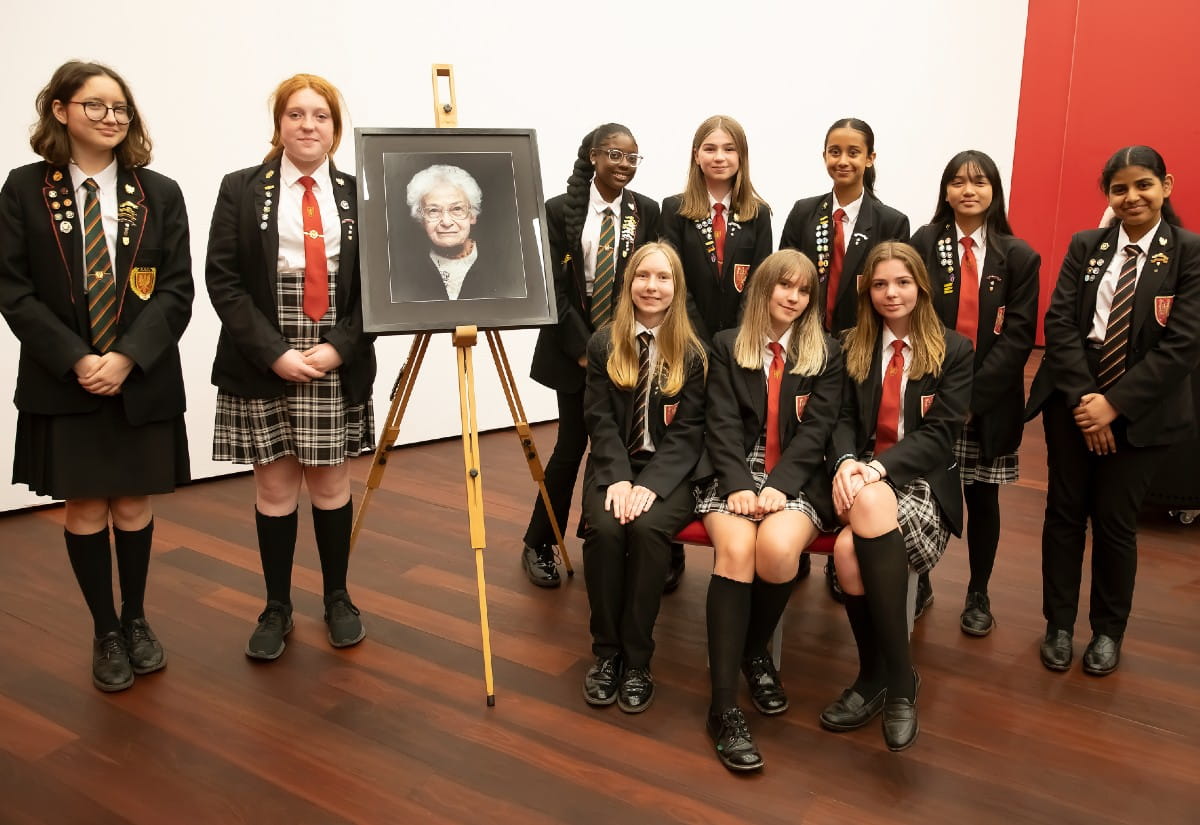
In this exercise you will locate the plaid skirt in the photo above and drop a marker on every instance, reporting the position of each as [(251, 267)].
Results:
[(1000, 470), (708, 500), (925, 530), (310, 421)]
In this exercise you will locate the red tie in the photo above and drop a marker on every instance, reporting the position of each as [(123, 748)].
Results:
[(835, 265), (719, 235), (316, 266), (888, 424), (968, 298), (774, 380)]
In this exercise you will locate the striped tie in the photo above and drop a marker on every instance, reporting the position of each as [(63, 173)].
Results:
[(606, 272), (637, 436), (1116, 335), (101, 286)]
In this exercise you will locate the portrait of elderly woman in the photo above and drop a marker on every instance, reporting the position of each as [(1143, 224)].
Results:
[(459, 245)]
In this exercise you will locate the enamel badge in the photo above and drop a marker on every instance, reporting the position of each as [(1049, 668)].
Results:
[(141, 281)]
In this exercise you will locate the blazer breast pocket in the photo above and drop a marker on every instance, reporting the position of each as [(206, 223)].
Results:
[(148, 256)]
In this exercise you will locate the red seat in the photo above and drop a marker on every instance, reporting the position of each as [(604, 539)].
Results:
[(694, 533)]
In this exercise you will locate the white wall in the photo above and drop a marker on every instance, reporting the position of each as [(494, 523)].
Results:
[(931, 77)]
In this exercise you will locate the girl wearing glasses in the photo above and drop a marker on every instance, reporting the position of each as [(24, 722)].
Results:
[(293, 368), (96, 284), (593, 229)]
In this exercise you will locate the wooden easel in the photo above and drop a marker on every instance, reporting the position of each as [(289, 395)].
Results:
[(464, 337)]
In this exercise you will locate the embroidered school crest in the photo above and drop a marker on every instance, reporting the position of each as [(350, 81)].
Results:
[(669, 411), (926, 403), (999, 321), (740, 273), (141, 281), (1162, 308), (801, 403)]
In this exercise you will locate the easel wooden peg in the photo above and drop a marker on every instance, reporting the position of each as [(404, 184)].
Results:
[(445, 113)]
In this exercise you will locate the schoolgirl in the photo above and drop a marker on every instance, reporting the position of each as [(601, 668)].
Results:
[(838, 229), (895, 481), (293, 367), (774, 393), (1114, 390), (644, 410), (96, 284), (593, 229), (985, 285)]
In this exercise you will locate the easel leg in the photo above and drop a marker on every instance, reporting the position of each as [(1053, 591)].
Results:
[(464, 341), (525, 435)]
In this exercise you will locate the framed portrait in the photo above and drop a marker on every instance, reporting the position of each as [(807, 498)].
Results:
[(452, 230)]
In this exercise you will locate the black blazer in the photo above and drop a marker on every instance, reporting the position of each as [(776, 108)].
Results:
[(676, 425), (715, 298), (1008, 300), (737, 414), (560, 346), (44, 299), (1154, 396), (876, 222), (927, 449), (243, 255)]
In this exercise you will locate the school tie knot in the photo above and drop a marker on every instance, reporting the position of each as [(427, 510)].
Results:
[(91, 185), (839, 214), (644, 339), (968, 242), (1132, 250), (308, 183), (898, 349)]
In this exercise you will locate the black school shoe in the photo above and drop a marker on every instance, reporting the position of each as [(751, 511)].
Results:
[(345, 627), (538, 564), (600, 683), (766, 688), (976, 618), (636, 693), (924, 596), (274, 623), (1102, 656), (145, 653), (111, 670), (731, 737)]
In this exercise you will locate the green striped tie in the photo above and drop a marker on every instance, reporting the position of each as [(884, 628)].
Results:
[(606, 272), (101, 286)]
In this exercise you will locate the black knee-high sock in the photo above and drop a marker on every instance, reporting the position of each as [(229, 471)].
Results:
[(872, 674), (91, 559), (983, 532), (133, 565), (883, 564), (767, 603), (728, 614), (277, 548), (333, 544)]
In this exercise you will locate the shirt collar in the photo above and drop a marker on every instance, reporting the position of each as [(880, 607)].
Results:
[(727, 200), (1144, 244), (783, 340), (639, 328), (290, 174), (979, 236), (599, 204), (851, 209), (889, 337), (106, 178)]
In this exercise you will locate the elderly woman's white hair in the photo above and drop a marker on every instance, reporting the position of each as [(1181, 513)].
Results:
[(436, 175)]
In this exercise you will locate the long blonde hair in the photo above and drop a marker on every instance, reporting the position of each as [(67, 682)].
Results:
[(676, 338), (806, 347), (926, 333), (744, 201)]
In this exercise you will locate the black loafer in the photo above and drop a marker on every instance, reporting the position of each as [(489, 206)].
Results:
[(342, 617), (637, 690), (145, 653), (731, 738), (924, 595), (831, 579), (111, 670), (766, 689), (976, 618), (1056, 650), (1102, 655), (540, 566), (675, 570), (274, 623), (851, 710), (900, 726), (600, 683)]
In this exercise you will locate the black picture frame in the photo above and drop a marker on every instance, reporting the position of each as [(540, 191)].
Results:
[(509, 285)]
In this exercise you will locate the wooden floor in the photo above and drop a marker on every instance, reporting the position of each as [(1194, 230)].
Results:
[(397, 730)]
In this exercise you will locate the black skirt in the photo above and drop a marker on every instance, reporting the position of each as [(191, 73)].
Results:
[(99, 454)]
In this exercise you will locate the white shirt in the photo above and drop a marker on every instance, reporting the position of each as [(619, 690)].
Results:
[(290, 220), (106, 182), (1108, 281), (979, 236), (768, 356), (885, 355), (590, 238), (850, 221), (647, 444), (727, 201), (454, 270)]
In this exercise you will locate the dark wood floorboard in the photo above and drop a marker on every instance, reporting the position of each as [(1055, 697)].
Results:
[(396, 730)]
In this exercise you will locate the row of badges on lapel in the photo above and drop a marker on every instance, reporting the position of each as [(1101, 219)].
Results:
[(1097, 265), (63, 213), (269, 194)]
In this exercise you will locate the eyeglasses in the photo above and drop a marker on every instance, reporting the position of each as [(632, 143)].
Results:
[(615, 155), (434, 214), (95, 110)]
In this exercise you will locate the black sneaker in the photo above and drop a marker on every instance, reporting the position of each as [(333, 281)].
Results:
[(145, 653), (111, 670), (275, 622), (345, 627), (731, 737)]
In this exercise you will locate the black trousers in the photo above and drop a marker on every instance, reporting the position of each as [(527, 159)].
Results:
[(561, 470), (1108, 490), (625, 566)]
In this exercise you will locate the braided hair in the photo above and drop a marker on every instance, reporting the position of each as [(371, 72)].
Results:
[(579, 183)]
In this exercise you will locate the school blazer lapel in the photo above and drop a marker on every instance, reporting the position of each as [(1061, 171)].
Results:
[(822, 233), (266, 211), (628, 226), (754, 389), (993, 292), (59, 197), (857, 245), (1097, 262), (1154, 272), (945, 273), (344, 198), (132, 214), (872, 390)]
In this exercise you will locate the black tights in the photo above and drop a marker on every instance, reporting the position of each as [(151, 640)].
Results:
[(983, 531)]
